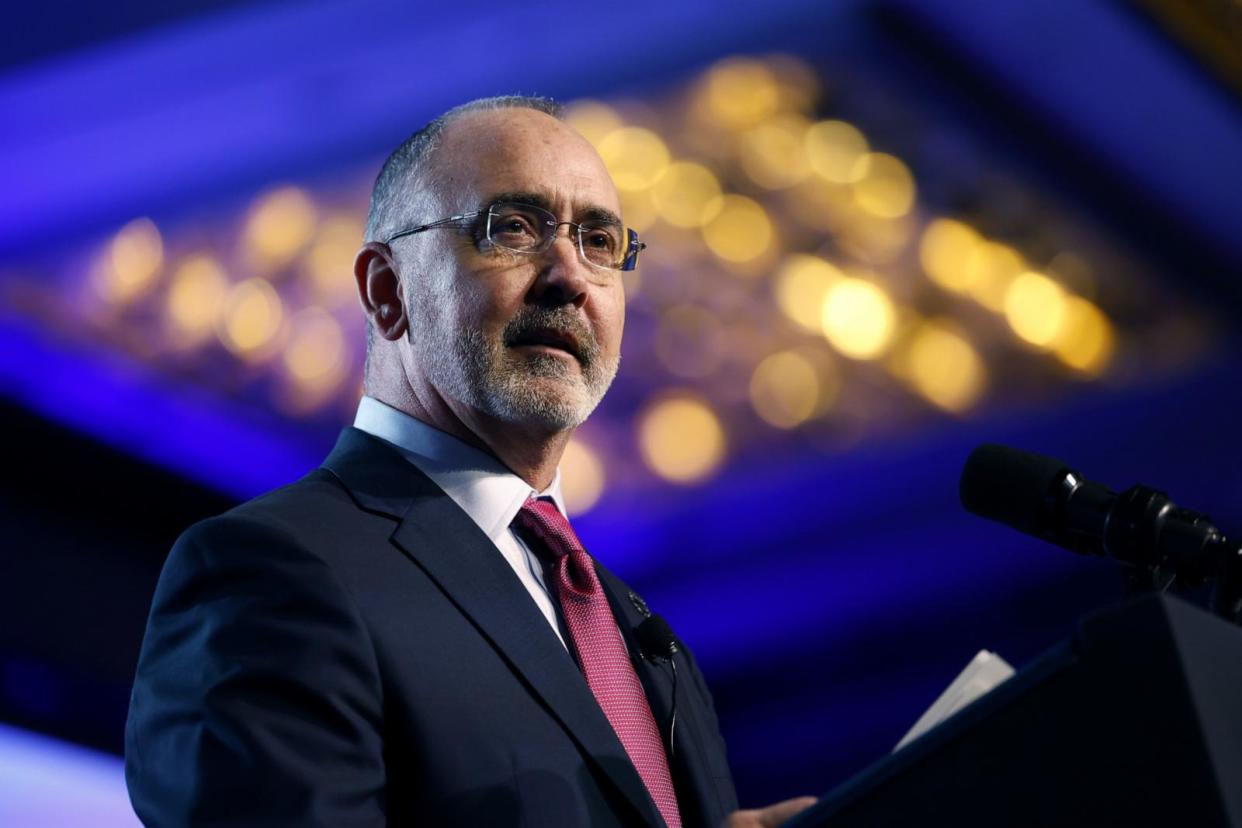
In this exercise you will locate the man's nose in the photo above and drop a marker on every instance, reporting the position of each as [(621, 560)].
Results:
[(563, 274)]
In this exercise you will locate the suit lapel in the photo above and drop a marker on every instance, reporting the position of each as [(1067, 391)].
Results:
[(442, 539)]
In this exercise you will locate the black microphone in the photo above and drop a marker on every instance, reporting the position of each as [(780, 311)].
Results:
[(655, 638), (1044, 497)]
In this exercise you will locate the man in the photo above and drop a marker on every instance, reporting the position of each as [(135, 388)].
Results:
[(412, 634)]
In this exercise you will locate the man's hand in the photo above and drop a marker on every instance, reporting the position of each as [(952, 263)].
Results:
[(771, 816)]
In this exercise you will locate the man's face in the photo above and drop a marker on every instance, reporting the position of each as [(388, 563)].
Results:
[(527, 338)]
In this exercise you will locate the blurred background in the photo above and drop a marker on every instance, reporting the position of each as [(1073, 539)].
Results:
[(880, 232)]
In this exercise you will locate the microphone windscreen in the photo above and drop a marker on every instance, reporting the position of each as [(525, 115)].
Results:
[(655, 637), (1010, 486)]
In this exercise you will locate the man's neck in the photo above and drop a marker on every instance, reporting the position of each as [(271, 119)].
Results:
[(531, 454)]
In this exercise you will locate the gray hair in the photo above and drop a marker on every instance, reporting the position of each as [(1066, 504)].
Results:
[(404, 174)]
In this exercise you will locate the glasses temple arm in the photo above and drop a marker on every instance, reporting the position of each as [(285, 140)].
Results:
[(451, 219)]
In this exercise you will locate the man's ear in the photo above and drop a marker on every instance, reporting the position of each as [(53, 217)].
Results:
[(379, 290)]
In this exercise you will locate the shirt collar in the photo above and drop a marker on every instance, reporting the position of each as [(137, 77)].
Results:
[(476, 481)]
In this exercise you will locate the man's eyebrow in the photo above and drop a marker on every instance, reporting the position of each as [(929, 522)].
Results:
[(594, 214), (600, 215), (532, 199)]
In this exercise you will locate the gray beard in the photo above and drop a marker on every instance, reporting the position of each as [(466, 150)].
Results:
[(514, 387)]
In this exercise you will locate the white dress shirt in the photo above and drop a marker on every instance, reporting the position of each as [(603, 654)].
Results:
[(476, 481)]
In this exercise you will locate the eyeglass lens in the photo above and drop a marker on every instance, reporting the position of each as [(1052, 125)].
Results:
[(526, 228)]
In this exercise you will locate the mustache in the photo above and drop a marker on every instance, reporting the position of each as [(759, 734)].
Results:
[(533, 320)]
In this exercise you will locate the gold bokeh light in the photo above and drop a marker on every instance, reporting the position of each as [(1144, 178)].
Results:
[(801, 285), (858, 318), (1035, 308), (1086, 341), (252, 318), (681, 438), (837, 151), (133, 263), (329, 262), (946, 252), (740, 232), (992, 267), (592, 119), (582, 477), (773, 154), (636, 157), (315, 353), (740, 93), (885, 187), (785, 389), (944, 367), (638, 211), (196, 297), (280, 225), (687, 195)]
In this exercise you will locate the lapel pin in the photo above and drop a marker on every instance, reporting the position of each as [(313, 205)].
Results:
[(640, 605)]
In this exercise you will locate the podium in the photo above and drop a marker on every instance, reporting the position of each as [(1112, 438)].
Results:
[(1135, 721)]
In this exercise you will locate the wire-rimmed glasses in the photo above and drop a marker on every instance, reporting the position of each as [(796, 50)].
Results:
[(528, 228)]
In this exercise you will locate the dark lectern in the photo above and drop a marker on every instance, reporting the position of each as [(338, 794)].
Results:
[(1137, 720)]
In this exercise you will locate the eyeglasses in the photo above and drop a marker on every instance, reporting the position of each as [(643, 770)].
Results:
[(525, 228)]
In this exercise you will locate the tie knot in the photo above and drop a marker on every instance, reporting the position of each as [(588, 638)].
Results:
[(540, 520)]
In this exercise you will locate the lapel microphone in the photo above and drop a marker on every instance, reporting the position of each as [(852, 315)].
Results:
[(655, 638), (656, 641)]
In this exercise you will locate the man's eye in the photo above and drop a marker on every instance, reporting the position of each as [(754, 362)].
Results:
[(514, 226), (599, 240)]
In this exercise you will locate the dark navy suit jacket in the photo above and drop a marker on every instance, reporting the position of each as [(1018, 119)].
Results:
[(352, 650)]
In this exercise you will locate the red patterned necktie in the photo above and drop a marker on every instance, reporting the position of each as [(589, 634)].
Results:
[(601, 652)]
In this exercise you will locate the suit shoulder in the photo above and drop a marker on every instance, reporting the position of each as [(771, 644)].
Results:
[(312, 526), (302, 514), (255, 557), (291, 506)]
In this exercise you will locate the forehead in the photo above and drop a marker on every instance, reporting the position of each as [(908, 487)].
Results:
[(482, 154)]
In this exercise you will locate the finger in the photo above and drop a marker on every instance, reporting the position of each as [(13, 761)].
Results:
[(773, 815)]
